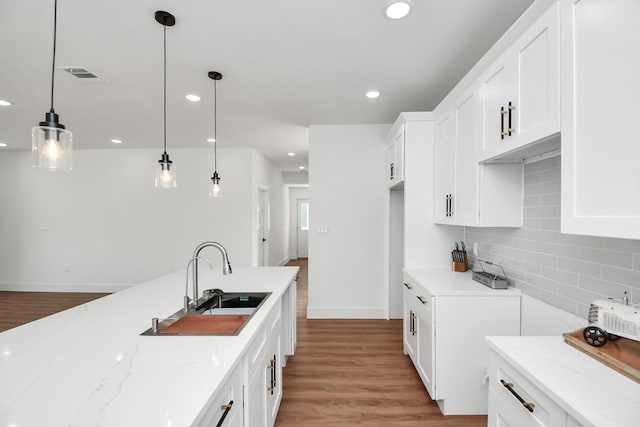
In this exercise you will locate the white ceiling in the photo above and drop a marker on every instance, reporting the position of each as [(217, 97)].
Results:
[(287, 64)]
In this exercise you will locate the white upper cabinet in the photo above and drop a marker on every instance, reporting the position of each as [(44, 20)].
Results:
[(395, 158), (468, 193), (519, 94), (600, 148)]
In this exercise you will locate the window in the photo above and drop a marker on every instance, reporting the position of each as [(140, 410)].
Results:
[(304, 215)]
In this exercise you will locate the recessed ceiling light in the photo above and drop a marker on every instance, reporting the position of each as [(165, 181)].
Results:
[(116, 141), (372, 94), (397, 9), (193, 98), (4, 103), (291, 154), (211, 140), (301, 167), (3, 144)]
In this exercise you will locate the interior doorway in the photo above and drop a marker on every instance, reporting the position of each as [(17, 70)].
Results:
[(263, 227), (298, 246), (302, 229)]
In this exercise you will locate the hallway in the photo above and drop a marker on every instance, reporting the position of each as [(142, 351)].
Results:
[(354, 372)]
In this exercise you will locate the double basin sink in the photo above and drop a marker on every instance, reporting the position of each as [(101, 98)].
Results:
[(224, 314)]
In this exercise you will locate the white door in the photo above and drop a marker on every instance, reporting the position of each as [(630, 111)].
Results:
[(263, 227), (302, 245)]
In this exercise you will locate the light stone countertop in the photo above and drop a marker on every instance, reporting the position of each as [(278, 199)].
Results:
[(442, 281), (591, 392), (89, 366)]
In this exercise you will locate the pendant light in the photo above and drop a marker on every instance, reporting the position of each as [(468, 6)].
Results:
[(165, 170), (51, 143), (216, 183)]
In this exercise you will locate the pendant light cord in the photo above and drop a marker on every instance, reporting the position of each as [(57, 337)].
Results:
[(215, 125), (165, 89), (53, 62)]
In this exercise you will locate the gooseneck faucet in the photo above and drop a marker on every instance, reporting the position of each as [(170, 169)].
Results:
[(226, 265)]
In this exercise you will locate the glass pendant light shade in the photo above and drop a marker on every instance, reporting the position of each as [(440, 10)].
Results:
[(166, 173), (52, 145), (51, 142), (215, 190)]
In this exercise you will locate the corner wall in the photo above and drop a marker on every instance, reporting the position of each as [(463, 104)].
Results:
[(348, 195)]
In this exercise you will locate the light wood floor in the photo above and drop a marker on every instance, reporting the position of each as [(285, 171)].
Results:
[(18, 308), (344, 373), (354, 373)]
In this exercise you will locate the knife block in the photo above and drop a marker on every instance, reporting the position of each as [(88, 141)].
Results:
[(460, 267)]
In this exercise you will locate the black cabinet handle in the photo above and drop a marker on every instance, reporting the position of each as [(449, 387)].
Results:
[(226, 408), (391, 171), (406, 285), (422, 300), (509, 386)]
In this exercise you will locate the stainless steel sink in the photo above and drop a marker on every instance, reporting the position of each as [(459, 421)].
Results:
[(232, 303)]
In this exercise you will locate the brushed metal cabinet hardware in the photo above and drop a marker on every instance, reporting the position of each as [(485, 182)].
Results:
[(502, 113), (509, 386)]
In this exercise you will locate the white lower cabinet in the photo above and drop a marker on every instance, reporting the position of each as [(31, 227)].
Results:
[(515, 401), (447, 317), (225, 409), (263, 373)]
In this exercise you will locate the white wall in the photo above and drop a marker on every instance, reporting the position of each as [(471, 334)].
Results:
[(295, 193), (348, 194), (104, 225), (266, 176)]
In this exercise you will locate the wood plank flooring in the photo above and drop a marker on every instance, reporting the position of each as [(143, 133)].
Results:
[(354, 373), (18, 308)]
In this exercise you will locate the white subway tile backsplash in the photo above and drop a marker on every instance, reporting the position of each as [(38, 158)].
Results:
[(542, 235), (602, 256), (560, 250), (604, 288), (542, 212), (542, 259), (588, 241), (577, 294), (567, 271), (543, 188), (559, 301), (621, 275), (580, 267)]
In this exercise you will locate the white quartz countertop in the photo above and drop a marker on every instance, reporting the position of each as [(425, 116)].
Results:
[(442, 281), (592, 393), (89, 366)]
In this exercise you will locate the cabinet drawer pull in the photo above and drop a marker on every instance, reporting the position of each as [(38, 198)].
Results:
[(509, 386), (422, 300), (510, 129), (406, 285), (226, 409), (502, 132)]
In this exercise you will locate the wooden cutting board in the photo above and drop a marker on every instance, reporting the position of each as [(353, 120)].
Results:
[(622, 355), (197, 324)]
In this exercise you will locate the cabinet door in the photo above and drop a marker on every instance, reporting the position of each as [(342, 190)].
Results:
[(408, 329), (444, 157), (391, 164), (255, 402), (537, 95), (274, 380), (495, 90), (465, 207), (398, 145), (426, 354), (600, 151)]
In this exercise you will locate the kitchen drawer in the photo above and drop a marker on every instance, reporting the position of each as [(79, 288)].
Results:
[(229, 400), (507, 410)]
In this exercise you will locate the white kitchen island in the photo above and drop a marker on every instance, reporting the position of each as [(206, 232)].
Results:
[(89, 365)]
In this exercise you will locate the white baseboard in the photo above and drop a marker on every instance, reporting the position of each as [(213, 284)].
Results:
[(64, 287), (284, 261), (346, 313)]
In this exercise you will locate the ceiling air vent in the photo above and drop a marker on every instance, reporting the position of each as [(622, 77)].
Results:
[(83, 74)]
